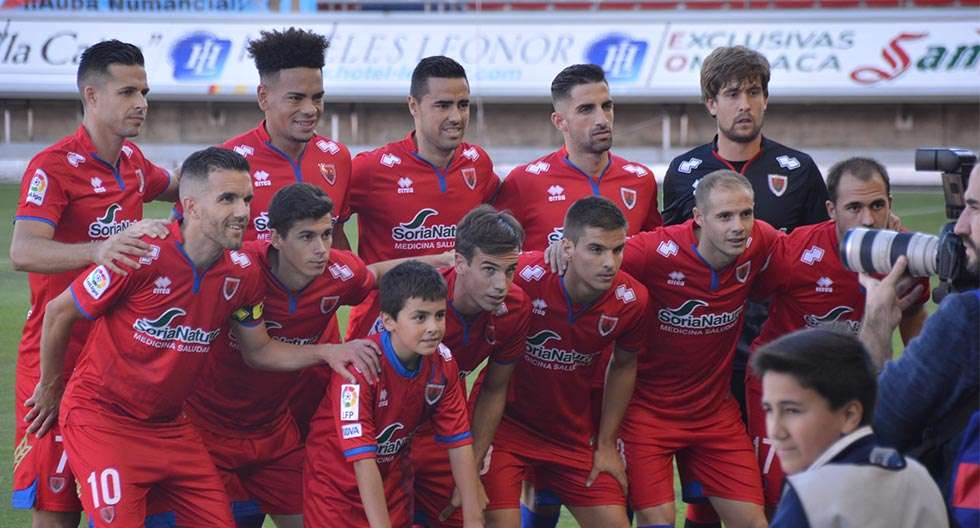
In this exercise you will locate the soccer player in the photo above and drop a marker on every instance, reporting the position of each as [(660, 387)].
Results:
[(548, 430), (488, 319), (80, 199), (809, 286), (409, 195), (357, 468), (121, 417), (538, 193), (699, 275)]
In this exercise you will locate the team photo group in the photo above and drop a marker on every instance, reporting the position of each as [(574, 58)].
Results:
[(517, 343)]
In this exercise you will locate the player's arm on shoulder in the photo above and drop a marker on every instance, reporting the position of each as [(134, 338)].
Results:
[(371, 489), (437, 260)]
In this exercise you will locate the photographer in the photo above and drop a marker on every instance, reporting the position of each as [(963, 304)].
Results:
[(927, 398)]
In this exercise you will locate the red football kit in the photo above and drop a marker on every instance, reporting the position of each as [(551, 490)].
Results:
[(808, 286), (406, 207), (85, 199), (121, 414), (243, 414), (358, 421), (497, 335), (539, 193), (547, 430), (682, 404)]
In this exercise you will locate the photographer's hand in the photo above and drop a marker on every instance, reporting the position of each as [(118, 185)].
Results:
[(882, 312)]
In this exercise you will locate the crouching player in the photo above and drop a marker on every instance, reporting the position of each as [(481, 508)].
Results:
[(357, 469)]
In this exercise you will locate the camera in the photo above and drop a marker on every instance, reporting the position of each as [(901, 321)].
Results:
[(876, 250)]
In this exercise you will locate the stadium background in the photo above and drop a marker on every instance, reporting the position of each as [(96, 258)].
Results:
[(850, 77)]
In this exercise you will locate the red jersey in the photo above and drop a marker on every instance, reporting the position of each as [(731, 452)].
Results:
[(324, 162), (235, 397), (154, 328), (539, 193), (695, 313), (810, 286), (550, 393), (85, 199), (407, 207), (359, 421)]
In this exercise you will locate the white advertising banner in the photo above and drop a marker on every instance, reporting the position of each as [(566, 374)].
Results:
[(517, 59)]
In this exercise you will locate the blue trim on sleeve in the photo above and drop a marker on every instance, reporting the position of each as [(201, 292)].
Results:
[(23, 499), (78, 305), (166, 519), (453, 439), (360, 450), (35, 219)]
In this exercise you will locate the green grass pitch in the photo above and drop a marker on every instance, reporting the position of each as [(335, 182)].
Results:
[(919, 210)]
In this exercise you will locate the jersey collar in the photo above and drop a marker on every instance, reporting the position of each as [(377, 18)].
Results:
[(389, 350), (839, 446), (745, 165)]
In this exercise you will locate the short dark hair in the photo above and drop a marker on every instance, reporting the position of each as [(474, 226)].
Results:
[(864, 169), (295, 202), (573, 76), (491, 231), (278, 50), (733, 63), (406, 280), (592, 211), (832, 363), (97, 58), (198, 166), (724, 178), (437, 66)]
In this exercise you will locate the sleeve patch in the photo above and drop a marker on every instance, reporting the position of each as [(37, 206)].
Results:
[(97, 282), (350, 395), (247, 314), (38, 188), (351, 431)]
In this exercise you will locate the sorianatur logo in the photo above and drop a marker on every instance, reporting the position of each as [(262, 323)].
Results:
[(683, 317), (553, 358), (160, 329), (388, 445), (834, 318), (199, 56), (416, 230), (107, 225), (619, 55)]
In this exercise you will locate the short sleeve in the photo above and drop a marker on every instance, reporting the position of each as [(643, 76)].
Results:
[(450, 421), (353, 416), (509, 196), (512, 331), (43, 196), (634, 334), (250, 312), (97, 289), (362, 283)]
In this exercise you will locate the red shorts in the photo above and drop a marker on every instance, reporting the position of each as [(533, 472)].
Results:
[(42, 478), (714, 460), (433, 481), (510, 465), (322, 508), (266, 468), (121, 461), (768, 462)]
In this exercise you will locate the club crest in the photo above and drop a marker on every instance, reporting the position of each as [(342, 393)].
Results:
[(329, 172), (629, 197), (778, 184), (57, 484), (607, 324), (469, 177), (491, 334), (230, 287), (328, 304), (433, 392), (108, 514), (742, 272)]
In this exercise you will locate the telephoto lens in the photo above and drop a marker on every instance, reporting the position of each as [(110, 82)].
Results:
[(876, 250)]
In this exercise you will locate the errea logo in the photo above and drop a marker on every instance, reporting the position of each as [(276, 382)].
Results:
[(556, 193), (625, 294), (636, 170), (244, 150), (241, 259), (788, 162), (689, 165), (340, 271), (161, 286), (538, 167), (530, 273), (405, 185), (262, 179), (127, 150), (97, 184), (667, 248), (389, 160), (327, 146), (812, 256), (471, 154), (825, 285), (538, 306), (675, 278), (74, 159)]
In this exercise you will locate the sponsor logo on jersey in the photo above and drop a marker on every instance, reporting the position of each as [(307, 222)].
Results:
[(471, 154), (415, 230), (229, 287), (556, 235), (675, 278), (682, 319), (75, 159), (532, 273), (538, 306), (154, 254), (742, 272), (667, 248), (689, 165), (433, 392), (97, 185), (97, 282), (556, 193), (629, 197), (350, 395), (274, 326), (636, 170), (469, 177), (328, 304), (389, 160), (405, 185), (812, 256), (241, 259), (553, 358), (834, 318), (107, 225), (778, 184), (161, 329), (261, 221), (607, 324), (38, 188), (620, 56), (199, 56), (351, 431), (340, 271), (788, 162), (244, 150), (625, 294), (327, 146), (825, 285), (388, 445), (161, 286), (262, 179), (329, 172), (537, 167)]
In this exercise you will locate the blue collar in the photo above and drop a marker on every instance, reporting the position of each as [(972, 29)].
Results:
[(393, 357)]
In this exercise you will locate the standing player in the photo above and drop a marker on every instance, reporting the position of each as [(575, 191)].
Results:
[(699, 275), (410, 194), (548, 430), (488, 318), (538, 193), (809, 286), (78, 198), (357, 468), (121, 418)]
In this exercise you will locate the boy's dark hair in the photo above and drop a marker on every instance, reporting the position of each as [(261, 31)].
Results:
[(721, 178), (437, 66), (97, 58), (592, 211), (278, 50), (299, 201), (832, 363), (198, 166), (733, 63), (491, 231), (573, 76), (864, 169), (406, 280)]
